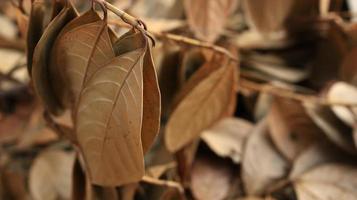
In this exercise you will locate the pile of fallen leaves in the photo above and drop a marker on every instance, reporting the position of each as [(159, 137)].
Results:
[(178, 99)]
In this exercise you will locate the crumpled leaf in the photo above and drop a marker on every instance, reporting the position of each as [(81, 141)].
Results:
[(207, 97), (207, 18), (43, 82), (330, 181), (262, 165), (50, 175), (227, 137)]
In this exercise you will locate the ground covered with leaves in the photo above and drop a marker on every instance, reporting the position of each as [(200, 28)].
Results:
[(178, 99)]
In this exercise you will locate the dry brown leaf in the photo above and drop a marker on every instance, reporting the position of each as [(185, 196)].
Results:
[(262, 165), (330, 181), (151, 94), (22, 22), (208, 96), (211, 178), (268, 17), (291, 129), (35, 30), (109, 116), (50, 175), (152, 103), (83, 46), (317, 154), (334, 129), (343, 92), (207, 18), (227, 137), (43, 82)]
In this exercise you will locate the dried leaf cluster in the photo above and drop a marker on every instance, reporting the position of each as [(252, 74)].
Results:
[(178, 99)]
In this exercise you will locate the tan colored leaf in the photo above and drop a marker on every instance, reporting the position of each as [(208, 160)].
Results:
[(343, 92), (335, 130), (262, 165), (268, 17), (35, 30), (109, 119), (151, 95), (227, 137), (50, 175), (317, 154), (291, 129), (208, 96), (22, 22), (152, 103), (82, 47), (207, 18), (211, 178), (43, 82), (330, 181)]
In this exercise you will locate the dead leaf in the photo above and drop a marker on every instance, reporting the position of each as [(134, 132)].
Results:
[(343, 92), (314, 156), (43, 82), (330, 181), (74, 59), (290, 128), (50, 175), (207, 18), (211, 178), (110, 115), (227, 137), (334, 129), (268, 17), (207, 97), (262, 165), (35, 30), (151, 94)]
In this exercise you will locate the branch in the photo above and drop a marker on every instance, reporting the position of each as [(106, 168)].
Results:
[(288, 94)]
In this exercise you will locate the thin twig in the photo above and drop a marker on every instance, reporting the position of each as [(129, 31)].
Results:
[(286, 93), (164, 183)]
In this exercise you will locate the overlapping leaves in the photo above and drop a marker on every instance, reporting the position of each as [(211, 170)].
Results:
[(109, 84)]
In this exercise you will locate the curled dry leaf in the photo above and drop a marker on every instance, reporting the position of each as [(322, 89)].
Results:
[(207, 97), (50, 175), (151, 94), (35, 29), (211, 178), (207, 18), (262, 165), (334, 128), (343, 92), (330, 181), (291, 129), (227, 137), (43, 82), (82, 47)]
